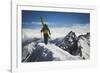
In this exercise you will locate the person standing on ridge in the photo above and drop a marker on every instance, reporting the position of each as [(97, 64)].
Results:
[(46, 32)]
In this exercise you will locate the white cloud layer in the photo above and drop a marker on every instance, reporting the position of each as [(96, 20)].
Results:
[(55, 32)]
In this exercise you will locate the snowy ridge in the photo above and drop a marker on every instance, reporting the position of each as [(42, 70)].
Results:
[(58, 53), (85, 48)]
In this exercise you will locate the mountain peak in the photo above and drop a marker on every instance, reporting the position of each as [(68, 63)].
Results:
[(71, 34)]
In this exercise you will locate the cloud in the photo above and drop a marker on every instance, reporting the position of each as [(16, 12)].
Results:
[(80, 26), (56, 32), (36, 23), (31, 23)]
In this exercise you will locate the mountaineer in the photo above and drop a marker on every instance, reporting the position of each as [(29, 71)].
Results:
[(46, 33), (45, 30)]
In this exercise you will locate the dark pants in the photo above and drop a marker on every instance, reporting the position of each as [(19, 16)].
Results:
[(46, 38), (80, 51)]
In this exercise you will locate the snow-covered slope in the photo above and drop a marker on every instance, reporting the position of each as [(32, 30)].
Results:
[(84, 43), (48, 52), (75, 45), (58, 53), (68, 47), (27, 50), (69, 43)]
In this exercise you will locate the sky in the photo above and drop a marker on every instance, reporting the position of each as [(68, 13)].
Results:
[(31, 19)]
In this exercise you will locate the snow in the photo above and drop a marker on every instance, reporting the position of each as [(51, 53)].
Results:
[(58, 53), (85, 48), (30, 47), (27, 50)]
